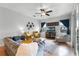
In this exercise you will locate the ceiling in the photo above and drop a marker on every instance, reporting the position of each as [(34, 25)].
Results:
[(29, 9)]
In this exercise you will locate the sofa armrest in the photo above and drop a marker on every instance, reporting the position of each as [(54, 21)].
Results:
[(11, 46)]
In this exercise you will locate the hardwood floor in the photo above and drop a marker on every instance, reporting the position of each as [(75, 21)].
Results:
[(3, 51), (52, 49), (58, 49)]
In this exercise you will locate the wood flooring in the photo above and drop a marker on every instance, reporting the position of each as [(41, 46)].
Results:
[(3, 51)]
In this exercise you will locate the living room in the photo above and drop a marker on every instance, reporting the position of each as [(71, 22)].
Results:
[(48, 28)]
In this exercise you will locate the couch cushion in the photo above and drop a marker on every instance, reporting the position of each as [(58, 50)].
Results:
[(15, 38)]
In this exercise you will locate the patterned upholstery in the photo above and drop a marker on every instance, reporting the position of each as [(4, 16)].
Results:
[(11, 46)]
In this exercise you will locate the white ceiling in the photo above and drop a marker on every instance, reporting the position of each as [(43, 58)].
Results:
[(29, 9)]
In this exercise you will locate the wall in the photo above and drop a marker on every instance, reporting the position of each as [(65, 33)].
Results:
[(56, 19), (13, 23), (77, 38)]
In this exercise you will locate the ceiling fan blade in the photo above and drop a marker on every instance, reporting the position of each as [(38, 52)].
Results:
[(37, 13), (42, 9), (34, 16), (49, 11), (47, 14)]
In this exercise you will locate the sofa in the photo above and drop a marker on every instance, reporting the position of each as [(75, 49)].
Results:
[(11, 46)]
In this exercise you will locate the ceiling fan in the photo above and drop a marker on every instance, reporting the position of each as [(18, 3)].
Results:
[(44, 12)]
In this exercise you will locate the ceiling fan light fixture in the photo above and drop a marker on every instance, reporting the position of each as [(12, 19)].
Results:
[(43, 13)]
